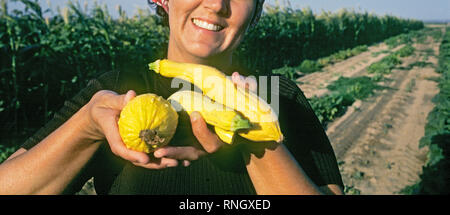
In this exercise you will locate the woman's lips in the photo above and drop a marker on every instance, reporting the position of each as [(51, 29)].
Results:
[(206, 25)]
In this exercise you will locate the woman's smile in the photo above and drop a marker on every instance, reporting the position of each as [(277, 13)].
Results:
[(210, 26), (206, 32)]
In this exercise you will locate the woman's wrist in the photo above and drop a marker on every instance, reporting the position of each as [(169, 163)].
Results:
[(82, 124), (277, 172)]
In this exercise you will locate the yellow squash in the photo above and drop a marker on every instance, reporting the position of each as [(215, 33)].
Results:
[(221, 89), (225, 120), (225, 135), (147, 122)]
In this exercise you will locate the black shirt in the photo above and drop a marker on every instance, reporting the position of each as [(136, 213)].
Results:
[(222, 172)]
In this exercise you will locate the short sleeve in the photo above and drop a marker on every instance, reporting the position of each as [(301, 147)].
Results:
[(305, 137)]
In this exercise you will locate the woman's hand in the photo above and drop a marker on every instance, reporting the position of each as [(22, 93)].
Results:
[(208, 140), (104, 109)]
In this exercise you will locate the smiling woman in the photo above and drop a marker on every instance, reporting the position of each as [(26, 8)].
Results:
[(208, 34), (83, 140)]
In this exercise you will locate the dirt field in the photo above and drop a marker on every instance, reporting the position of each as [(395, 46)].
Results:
[(376, 140)]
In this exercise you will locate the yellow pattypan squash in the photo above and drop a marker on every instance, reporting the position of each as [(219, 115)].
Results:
[(147, 122)]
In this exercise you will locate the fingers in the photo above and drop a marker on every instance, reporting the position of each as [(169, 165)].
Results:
[(158, 163), (179, 153), (210, 142), (119, 102), (128, 96), (244, 82), (107, 108), (107, 119), (111, 132)]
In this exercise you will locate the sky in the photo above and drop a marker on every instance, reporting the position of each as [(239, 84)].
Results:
[(416, 9)]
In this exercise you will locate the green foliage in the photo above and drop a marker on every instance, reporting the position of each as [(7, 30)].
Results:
[(328, 107), (420, 64), (342, 55), (401, 39), (351, 190), (405, 51), (435, 176), (384, 66), (309, 66), (288, 72), (5, 152), (344, 92), (356, 87), (436, 34)]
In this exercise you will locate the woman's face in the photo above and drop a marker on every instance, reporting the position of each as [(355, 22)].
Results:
[(202, 29)]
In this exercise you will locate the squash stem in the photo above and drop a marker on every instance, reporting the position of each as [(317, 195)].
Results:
[(151, 138), (240, 123), (154, 66)]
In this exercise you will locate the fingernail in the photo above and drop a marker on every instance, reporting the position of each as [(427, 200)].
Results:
[(186, 163), (194, 116), (235, 75), (158, 153)]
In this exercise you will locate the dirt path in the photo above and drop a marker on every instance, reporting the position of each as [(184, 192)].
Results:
[(377, 140), (315, 84)]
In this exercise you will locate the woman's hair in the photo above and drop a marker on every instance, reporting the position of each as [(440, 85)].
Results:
[(161, 12)]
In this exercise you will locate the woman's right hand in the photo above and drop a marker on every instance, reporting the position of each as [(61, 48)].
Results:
[(103, 111)]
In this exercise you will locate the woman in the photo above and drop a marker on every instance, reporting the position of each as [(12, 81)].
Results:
[(82, 140)]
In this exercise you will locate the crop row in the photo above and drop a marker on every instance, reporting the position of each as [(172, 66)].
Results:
[(435, 176), (310, 66)]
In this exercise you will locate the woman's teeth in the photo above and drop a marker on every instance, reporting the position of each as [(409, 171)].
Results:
[(205, 25)]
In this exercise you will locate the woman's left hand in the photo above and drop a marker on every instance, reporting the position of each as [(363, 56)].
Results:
[(209, 141)]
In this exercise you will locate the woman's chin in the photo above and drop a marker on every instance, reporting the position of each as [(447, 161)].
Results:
[(204, 53)]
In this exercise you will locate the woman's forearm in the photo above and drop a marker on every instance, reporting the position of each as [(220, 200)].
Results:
[(277, 172), (52, 164)]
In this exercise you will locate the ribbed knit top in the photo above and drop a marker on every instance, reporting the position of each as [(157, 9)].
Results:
[(222, 172)]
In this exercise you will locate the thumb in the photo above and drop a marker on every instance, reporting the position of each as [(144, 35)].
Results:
[(129, 95), (244, 82), (125, 98)]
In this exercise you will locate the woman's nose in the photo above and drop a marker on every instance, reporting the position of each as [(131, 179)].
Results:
[(217, 6)]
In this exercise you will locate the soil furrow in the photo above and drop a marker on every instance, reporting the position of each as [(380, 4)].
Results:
[(377, 139)]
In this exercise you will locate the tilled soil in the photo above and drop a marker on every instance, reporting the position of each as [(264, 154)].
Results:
[(376, 141)]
